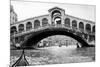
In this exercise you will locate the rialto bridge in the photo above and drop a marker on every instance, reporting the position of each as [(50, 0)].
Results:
[(30, 31)]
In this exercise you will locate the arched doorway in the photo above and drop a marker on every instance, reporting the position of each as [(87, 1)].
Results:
[(74, 24), (28, 26), (81, 26), (13, 30), (56, 17), (57, 20), (67, 22), (44, 22), (55, 12), (21, 28), (36, 24), (88, 28)]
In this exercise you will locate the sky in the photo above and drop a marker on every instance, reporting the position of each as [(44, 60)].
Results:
[(27, 9)]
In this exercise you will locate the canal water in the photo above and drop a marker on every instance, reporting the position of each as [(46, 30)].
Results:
[(55, 55)]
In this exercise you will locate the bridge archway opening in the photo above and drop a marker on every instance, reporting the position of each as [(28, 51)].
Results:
[(13, 30), (67, 22), (38, 36), (28, 26), (55, 12), (56, 16), (88, 28), (58, 40), (57, 20), (44, 22), (81, 26), (36, 24), (74, 24), (21, 28)]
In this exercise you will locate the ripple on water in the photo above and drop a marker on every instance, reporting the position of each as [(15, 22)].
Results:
[(57, 55)]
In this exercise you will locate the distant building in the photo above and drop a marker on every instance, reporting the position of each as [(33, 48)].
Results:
[(13, 15)]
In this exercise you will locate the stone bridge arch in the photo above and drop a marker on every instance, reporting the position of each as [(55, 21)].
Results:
[(39, 35)]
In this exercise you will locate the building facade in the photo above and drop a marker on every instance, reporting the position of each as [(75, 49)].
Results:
[(13, 15)]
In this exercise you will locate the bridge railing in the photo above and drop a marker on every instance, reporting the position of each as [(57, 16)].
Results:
[(50, 26)]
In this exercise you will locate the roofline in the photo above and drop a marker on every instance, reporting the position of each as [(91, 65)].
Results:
[(29, 19), (48, 14), (55, 7), (81, 19)]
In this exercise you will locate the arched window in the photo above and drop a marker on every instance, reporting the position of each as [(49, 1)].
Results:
[(74, 23), (36, 24), (55, 12), (13, 30), (88, 28), (21, 28), (44, 22), (67, 22), (28, 26), (81, 26), (93, 29)]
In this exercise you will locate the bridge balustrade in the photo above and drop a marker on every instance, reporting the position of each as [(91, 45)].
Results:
[(70, 29), (90, 33), (66, 25), (13, 33), (42, 27), (81, 30)]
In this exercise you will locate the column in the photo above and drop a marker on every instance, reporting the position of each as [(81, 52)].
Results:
[(24, 26), (71, 23), (77, 25)]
